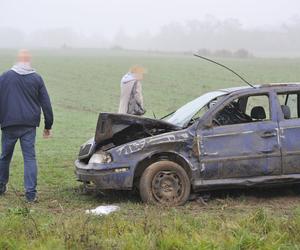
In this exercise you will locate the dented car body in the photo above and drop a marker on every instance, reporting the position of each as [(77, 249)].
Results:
[(235, 137)]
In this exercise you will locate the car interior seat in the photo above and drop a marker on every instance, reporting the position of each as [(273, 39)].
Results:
[(258, 113), (286, 111)]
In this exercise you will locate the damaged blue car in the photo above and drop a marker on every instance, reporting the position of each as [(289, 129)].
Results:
[(236, 137)]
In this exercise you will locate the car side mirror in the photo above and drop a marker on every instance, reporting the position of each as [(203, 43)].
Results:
[(208, 123)]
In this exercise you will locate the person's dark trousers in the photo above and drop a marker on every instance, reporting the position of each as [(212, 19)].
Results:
[(26, 135)]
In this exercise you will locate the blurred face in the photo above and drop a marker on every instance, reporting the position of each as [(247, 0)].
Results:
[(138, 72), (139, 76), (24, 56)]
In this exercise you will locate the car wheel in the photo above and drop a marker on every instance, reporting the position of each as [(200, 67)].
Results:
[(165, 182)]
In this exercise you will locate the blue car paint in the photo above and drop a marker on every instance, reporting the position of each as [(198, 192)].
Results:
[(246, 154)]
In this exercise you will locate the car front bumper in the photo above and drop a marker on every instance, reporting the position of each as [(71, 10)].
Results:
[(104, 176)]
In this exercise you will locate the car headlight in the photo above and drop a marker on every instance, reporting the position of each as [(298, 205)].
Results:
[(100, 157)]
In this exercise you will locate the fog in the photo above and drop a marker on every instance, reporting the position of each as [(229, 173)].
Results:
[(265, 28)]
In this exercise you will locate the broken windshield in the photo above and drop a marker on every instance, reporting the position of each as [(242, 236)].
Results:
[(183, 115)]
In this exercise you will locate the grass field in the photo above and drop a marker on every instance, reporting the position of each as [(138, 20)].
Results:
[(83, 83)]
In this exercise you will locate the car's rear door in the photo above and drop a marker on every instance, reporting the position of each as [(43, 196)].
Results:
[(242, 150), (289, 122)]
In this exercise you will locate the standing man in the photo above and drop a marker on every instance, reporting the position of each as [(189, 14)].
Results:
[(22, 96), (131, 100)]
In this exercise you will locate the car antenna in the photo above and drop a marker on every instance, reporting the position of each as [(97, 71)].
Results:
[(212, 61), (154, 115)]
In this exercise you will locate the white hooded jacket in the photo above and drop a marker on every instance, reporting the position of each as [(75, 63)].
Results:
[(127, 83)]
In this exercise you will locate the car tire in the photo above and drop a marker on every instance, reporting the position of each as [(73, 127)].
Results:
[(166, 183)]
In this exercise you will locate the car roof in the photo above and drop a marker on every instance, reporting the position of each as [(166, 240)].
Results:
[(261, 86)]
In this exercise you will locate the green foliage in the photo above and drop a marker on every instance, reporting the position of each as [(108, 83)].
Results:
[(81, 84)]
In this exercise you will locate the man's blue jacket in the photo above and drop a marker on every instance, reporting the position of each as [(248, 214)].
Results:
[(22, 96)]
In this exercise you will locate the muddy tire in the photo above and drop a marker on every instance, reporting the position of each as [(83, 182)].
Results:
[(166, 183)]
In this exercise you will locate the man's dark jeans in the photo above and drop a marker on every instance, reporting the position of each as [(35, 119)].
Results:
[(26, 135)]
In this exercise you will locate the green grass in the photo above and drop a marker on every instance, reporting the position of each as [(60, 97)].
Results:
[(83, 83)]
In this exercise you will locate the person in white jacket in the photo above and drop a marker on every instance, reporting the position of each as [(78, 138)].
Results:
[(131, 98)]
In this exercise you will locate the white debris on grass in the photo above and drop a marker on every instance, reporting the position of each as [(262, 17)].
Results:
[(103, 210)]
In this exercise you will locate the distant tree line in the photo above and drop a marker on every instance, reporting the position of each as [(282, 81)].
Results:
[(218, 37), (240, 53)]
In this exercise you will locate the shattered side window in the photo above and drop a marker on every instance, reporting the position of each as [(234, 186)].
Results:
[(256, 108), (261, 101)]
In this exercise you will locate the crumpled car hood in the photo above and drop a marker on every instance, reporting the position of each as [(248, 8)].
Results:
[(117, 129)]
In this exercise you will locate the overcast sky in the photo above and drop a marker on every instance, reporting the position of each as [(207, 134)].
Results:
[(107, 17)]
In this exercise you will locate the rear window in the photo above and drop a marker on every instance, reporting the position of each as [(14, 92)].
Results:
[(289, 104)]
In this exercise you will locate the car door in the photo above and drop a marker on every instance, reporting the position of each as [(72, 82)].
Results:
[(243, 149), (289, 123)]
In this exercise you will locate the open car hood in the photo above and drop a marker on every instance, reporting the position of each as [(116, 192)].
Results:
[(116, 129)]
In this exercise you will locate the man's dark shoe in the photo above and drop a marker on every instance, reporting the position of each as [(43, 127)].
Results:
[(2, 189), (31, 198), (32, 201)]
